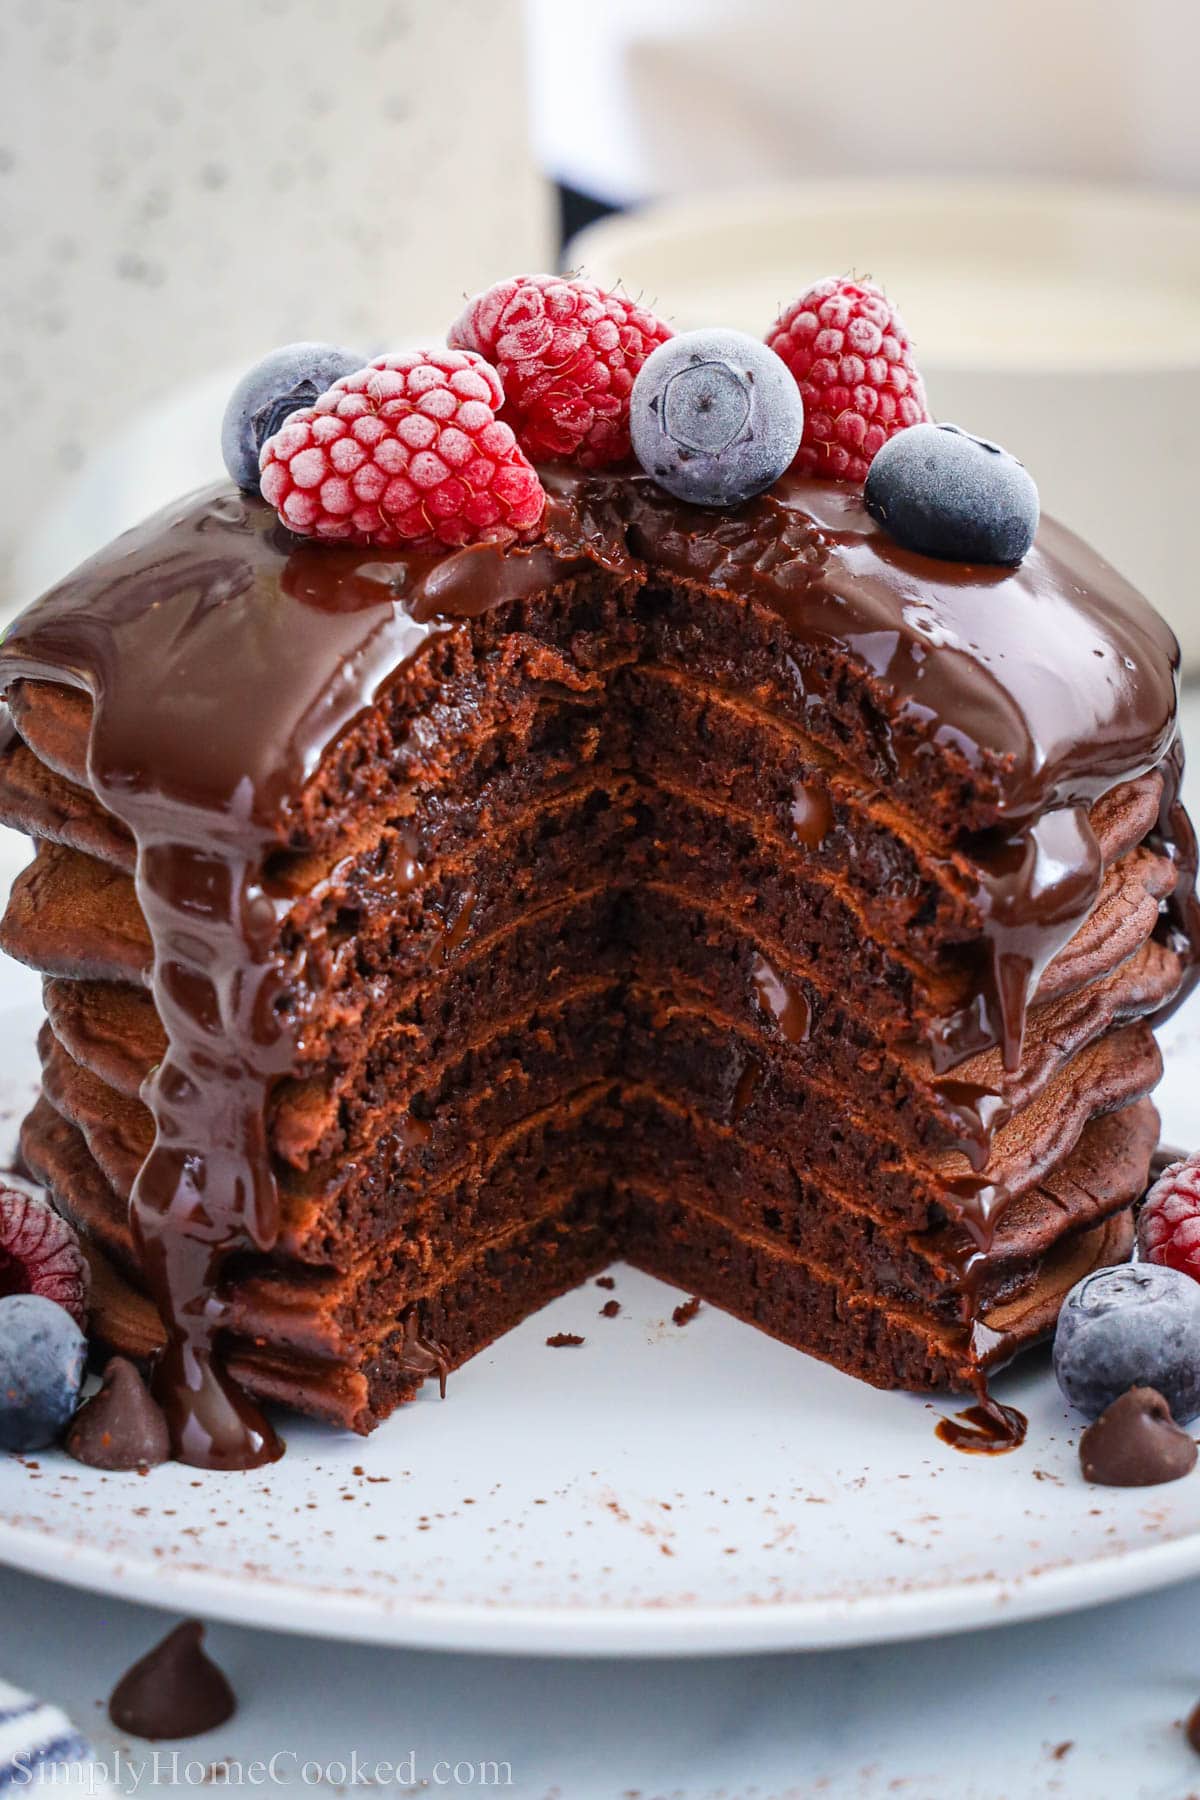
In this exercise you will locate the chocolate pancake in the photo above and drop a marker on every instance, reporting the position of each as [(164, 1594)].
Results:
[(739, 893)]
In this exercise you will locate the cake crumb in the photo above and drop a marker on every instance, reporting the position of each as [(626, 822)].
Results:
[(686, 1312), (610, 1309), (605, 1281), (564, 1340)]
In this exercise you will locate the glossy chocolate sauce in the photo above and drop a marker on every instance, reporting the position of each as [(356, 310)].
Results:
[(422, 1356), (985, 1429), (1175, 836), (1056, 679), (811, 816), (225, 658), (784, 1001)]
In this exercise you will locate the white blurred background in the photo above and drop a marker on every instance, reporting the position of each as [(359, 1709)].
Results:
[(634, 99), (183, 186)]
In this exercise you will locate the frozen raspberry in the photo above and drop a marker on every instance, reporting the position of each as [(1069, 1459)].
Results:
[(1169, 1222), (408, 450), (567, 353), (40, 1254), (848, 349)]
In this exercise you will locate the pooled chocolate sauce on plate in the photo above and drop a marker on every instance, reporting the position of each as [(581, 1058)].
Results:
[(985, 1429), (225, 658)]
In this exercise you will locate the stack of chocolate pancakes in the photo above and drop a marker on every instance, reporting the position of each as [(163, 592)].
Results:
[(739, 894)]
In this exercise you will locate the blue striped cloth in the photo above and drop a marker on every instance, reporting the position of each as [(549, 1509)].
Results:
[(40, 1746)]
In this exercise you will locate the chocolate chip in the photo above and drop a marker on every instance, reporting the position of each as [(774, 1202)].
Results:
[(1136, 1443), (175, 1691), (121, 1426)]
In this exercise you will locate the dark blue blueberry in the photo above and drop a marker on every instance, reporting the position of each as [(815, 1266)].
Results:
[(939, 490), (42, 1353), (715, 417), (1137, 1325), (291, 377)]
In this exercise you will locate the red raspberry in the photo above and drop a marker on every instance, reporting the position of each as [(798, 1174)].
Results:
[(40, 1254), (407, 451), (567, 353), (1169, 1222), (847, 347)]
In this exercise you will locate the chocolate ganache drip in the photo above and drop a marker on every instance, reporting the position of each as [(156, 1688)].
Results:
[(1054, 680), (225, 658)]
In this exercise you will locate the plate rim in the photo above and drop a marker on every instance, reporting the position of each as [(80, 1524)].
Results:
[(740, 1628)]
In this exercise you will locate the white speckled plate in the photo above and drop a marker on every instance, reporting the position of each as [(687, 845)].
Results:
[(659, 1489)]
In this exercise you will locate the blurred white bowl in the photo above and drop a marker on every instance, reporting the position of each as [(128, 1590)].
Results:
[(1063, 321)]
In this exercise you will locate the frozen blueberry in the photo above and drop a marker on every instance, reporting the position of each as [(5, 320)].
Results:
[(293, 376), (42, 1353), (715, 417), (1137, 1325), (939, 490)]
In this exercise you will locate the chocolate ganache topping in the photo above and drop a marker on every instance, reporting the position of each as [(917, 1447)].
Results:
[(225, 658)]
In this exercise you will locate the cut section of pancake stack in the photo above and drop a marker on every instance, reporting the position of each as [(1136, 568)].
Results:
[(605, 928)]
